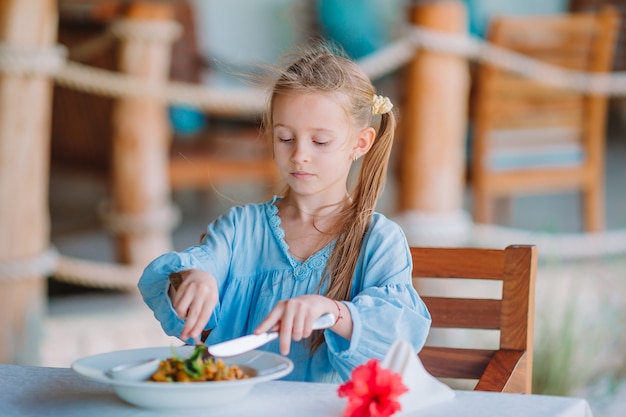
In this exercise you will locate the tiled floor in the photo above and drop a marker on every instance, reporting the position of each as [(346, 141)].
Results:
[(84, 321)]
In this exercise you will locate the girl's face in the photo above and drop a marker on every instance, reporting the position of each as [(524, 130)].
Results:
[(313, 144)]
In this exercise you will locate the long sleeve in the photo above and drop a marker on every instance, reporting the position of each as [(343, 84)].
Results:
[(385, 306), (212, 256)]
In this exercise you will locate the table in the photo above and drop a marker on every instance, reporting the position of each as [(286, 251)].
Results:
[(29, 391)]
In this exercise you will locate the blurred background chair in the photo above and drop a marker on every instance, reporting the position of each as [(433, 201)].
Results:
[(507, 368), (207, 150), (529, 137), (619, 56)]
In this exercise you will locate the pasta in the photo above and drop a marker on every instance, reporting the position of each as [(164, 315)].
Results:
[(196, 369)]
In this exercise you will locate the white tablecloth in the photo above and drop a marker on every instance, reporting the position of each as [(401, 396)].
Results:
[(39, 391)]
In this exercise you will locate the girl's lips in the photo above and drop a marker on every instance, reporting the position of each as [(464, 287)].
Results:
[(300, 175)]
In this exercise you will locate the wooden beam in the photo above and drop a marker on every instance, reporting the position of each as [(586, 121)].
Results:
[(141, 138), (25, 109), (434, 118)]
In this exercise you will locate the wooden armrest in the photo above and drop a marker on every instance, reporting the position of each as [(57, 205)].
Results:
[(445, 362), (500, 371), (505, 372)]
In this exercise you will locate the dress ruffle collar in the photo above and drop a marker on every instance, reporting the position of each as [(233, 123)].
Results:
[(301, 268)]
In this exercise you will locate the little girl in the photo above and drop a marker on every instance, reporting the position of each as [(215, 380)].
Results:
[(317, 248)]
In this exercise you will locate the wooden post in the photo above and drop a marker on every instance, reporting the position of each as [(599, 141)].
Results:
[(434, 121), (25, 109), (141, 139)]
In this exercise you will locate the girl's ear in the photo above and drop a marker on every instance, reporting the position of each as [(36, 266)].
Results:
[(364, 142)]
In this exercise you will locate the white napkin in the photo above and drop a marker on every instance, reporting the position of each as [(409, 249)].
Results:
[(424, 389)]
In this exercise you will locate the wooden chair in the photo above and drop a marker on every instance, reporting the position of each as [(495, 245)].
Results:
[(619, 60), (230, 150), (529, 137), (223, 156), (508, 368)]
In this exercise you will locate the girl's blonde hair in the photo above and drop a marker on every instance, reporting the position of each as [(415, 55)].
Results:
[(320, 67)]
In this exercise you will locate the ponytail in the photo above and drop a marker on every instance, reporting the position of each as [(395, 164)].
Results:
[(356, 219)]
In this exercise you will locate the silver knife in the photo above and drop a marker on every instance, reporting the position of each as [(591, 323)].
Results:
[(250, 342)]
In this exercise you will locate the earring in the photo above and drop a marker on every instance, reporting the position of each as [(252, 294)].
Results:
[(354, 157)]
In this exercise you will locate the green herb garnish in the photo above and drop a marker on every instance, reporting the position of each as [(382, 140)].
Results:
[(193, 364)]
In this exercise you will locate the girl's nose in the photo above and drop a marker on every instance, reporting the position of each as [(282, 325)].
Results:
[(300, 154)]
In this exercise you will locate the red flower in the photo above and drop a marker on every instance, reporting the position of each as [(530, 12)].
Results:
[(373, 391)]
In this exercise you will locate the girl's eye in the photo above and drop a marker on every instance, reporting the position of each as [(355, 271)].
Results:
[(318, 143), (285, 140)]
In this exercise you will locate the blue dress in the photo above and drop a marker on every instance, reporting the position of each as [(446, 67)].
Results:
[(246, 252)]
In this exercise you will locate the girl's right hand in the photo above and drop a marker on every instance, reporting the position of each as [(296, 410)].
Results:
[(194, 300)]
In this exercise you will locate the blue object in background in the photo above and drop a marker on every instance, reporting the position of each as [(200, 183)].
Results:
[(480, 12), (186, 120), (356, 25)]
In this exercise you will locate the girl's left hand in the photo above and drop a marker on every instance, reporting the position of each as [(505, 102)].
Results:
[(294, 318)]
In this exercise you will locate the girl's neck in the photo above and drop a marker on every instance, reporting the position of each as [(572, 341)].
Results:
[(309, 210), (309, 227)]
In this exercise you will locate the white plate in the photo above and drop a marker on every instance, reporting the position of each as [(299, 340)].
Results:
[(178, 395)]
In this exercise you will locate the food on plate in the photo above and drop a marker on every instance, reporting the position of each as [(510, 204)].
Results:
[(197, 368)]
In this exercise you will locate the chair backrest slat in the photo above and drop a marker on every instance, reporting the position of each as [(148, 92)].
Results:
[(464, 313), (457, 263)]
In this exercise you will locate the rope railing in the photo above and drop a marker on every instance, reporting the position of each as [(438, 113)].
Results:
[(246, 101), (29, 61), (236, 102), (94, 274), (251, 101), (477, 49)]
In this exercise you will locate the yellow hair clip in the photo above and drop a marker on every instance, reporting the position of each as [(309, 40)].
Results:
[(381, 104)]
